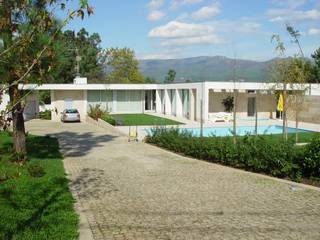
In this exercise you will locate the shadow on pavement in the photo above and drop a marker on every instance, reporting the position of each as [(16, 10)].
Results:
[(79, 144)]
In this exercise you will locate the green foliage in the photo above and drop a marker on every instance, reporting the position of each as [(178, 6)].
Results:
[(46, 115), (171, 75), (109, 119), (228, 103), (260, 154), (316, 69), (311, 162), (36, 170), (150, 80), (122, 66), (67, 46), (96, 112), (39, 207)]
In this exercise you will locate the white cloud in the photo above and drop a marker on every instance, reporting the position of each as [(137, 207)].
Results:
[(282, 14), (176, 3), (289, 3), (314, 32), (206, 12), (208, 39), (155, 3), (176, 29), (167, 53), (156, 15)]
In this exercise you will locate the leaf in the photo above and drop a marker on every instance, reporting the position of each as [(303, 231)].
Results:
[(89, 10), (62, 6), (80, 13)]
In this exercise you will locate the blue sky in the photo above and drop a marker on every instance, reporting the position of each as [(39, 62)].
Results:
[(160, 29)]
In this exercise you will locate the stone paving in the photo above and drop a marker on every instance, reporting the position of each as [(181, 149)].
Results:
[(137, 191)]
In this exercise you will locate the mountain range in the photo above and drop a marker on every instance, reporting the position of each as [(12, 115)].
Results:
[(216, 68)]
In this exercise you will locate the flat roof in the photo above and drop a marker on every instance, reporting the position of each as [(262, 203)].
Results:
[(315, 88)]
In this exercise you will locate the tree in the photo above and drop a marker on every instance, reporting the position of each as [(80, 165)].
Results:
[(291, 72), (171, 75), (149, 80), (28, 33), (122, 66), (315, 72)]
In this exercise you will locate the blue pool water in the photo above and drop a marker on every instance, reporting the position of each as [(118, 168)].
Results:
[(241, 130)]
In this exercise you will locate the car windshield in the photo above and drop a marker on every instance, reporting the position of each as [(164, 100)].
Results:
[(71, 111)]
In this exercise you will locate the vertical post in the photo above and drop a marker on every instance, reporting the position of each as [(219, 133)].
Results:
[(256, 114), (234, 115), (201, 118)]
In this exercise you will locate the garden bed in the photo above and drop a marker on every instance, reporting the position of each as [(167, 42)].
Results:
[(35, 202), (267, 155)]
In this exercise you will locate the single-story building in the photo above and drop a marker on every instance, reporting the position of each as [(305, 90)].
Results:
[(194, 101)]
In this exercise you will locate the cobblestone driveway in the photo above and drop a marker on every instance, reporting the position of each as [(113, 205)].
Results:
[(136, 191)]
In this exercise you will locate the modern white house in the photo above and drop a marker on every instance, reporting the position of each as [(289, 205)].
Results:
[(193, 101)]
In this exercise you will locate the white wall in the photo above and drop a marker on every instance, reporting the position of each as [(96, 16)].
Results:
[(79, 101), (4, 101)]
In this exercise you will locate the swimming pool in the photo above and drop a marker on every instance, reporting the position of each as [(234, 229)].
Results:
[(241, 130)]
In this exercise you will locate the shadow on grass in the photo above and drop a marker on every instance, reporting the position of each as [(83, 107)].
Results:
[(43, 147), (74, 144), (52, 201)]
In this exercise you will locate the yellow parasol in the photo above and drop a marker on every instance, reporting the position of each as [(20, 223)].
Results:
[(280, 103)]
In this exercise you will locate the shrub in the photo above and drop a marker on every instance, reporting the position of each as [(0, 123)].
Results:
[(36, 170), (109, 119), (96, 112), (253, 153), (46, 115), (311, 163)]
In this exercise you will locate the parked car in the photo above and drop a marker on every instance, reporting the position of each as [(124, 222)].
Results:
[(70, 115)]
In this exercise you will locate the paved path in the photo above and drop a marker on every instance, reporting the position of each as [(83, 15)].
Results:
[(136, 191)]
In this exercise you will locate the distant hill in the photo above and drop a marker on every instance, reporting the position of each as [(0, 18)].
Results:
[(206, 69)]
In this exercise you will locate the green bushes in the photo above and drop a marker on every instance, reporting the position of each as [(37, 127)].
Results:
[(46, 115), (311, 163), (257, 154), (96, 112), (109, 119)]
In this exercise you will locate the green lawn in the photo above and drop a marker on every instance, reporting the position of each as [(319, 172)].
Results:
[(142, 120), (303, 137), (35, 202)]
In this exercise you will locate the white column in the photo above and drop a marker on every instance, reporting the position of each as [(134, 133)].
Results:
[(205, 103), (85, 102), (167, 102), (192, 101), (178, 103), (143, 100), (114, 101), (158, 101), (198, 103), (54, 110)]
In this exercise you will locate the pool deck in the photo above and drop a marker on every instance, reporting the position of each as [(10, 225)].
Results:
[(241, 122)]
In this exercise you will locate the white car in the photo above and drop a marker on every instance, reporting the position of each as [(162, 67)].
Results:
[(70, 115)]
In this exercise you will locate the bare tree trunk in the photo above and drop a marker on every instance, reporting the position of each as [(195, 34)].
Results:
[(284, 114), (256, 116), (19, 136), (234, 116)]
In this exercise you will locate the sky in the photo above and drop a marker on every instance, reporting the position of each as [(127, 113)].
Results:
[(164, 29)]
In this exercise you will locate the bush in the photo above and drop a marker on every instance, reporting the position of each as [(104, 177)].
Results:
[(311, 163), (36, 170), (109, 119), (46, 115), (96, 112), (253, 153)]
